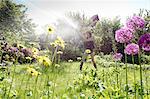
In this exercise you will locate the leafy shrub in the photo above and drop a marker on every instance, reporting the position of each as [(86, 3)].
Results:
[(16, 53)]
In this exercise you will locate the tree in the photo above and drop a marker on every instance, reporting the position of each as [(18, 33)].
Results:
[(14, 24)]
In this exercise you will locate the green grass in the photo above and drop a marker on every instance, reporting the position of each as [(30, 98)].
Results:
[(62, 77)]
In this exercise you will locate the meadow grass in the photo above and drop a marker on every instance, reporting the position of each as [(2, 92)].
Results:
[(60, 79)]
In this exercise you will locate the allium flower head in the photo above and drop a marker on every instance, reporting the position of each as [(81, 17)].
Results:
[(132, 49), (117, 56), (123, 35), (144, 42), (135, 22)]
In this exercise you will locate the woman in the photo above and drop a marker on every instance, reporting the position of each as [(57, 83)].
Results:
[(88, 41)]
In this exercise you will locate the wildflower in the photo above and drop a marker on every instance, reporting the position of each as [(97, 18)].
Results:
[(132, 49), (123, 35), (14, 49), (117, 56), (87, 51), (70, 60), (26, 51), (35, 51), (79, 58), (135, 22), (50, 29), (57, 65), (59, 52), (32, 71), (44, 61), (58, 42), (28, 58), (144, 42)]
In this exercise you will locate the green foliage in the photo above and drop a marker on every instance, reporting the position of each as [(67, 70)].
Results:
[(14, 24), (104, 34)]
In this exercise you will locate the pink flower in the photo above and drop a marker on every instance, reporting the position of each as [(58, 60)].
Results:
[(132, 49), (144, 42), (135, 22), (123, 35), (117, 56)]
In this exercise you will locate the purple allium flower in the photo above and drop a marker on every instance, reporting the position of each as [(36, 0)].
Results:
[(123, 35), (132, 49), (144, 42), (117, 56), (135, 22)]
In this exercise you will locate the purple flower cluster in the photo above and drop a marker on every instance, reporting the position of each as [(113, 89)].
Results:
[(135, 22), (123, 35), (117, 56), (132, 49), (144, 42), (26, 51), (13, 49)]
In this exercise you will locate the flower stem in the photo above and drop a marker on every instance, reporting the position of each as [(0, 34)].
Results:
[(134, 77), (35, 87), (126, 74), (141, 81), (117, 75)]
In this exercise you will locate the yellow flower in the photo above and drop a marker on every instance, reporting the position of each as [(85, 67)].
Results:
[(50, 29), (32, 71), (35, 51), (87, 51), (60, 42), (59, 52), (44, 61)]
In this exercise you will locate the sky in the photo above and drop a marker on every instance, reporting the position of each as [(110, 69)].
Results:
[(48, 11)]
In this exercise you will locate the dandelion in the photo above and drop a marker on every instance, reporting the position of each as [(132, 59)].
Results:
[(123, 35), (144, 42), (50, 29), (135, 22), (87, 51), (132, 49), (117, 56)]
